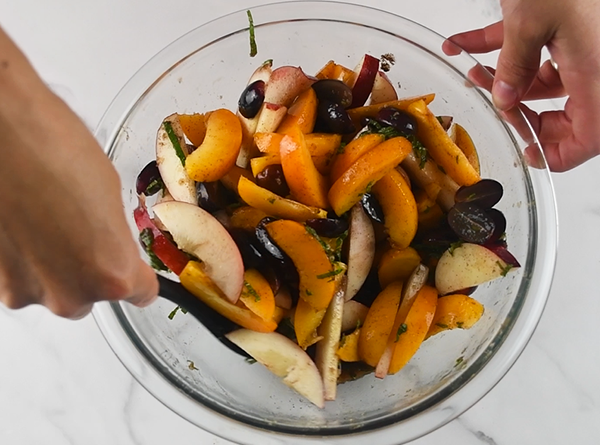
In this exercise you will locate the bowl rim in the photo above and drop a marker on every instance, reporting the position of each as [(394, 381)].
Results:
[(441, 409)]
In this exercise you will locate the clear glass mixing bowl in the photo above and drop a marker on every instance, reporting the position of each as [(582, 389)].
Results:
[(207, 69)]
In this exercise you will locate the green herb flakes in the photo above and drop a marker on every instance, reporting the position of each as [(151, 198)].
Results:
[(442, 325), (253, 47), (251, 291), (505, 268), (192, 366), (147, 239), (401, 330), (419, 150), (331, 273), (174, 141)]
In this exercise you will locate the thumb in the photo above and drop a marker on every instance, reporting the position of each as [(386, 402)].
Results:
[(518, 65), (146, 286)]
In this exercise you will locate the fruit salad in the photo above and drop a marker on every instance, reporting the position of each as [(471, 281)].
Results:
[(337, 225)]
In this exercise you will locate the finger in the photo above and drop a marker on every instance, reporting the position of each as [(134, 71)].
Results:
[(146, 286), (518, 64), (546, 85), (550, 126), (477, 41)]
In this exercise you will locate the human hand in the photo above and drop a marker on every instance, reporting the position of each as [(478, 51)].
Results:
[(64, 240), (571, 32)]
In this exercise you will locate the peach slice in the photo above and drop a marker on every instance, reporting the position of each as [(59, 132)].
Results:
[(326, 357), (383, 90), (274, 205), (397, 265), (197, 232), (285, 84), (441, 147), (303, 113), (306, 184), (257, 295), (351, 152), (171, 156), (358, 114), (194, 126), (399, 208), (306, 321), (466, 266), (263, 72), (195, 280), (463, 140), (379, 323), (365, 172), (361, 250), (220, 149), (317, 274), (285, 359), (455, 311)]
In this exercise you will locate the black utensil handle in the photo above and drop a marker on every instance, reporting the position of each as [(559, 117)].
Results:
[(212, 320)]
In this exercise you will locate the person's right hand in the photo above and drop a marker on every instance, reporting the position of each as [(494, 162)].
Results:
[(571, 32), (64, 240)]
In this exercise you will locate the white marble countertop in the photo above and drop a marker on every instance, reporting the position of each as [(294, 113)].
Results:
[(60, 384)]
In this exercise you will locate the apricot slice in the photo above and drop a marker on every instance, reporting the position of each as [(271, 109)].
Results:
[(260, 163), (275, 205), (327, 71), (268, 143), (378, 324), (306, 184), (219, 150), (302, 113), (231, 179), (348, 351), (359, 113), (352, 152), (194, 126), (430, 213), (441, 147), (397, 265), (306, 321), (322, 144), (365, 172), (413, 330), (317, 274), (399, 208), (247, 218), (257, 295), (455, 311), (198, 283)]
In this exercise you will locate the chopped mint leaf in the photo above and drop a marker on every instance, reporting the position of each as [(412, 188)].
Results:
[(147, 240), (253, 47), (331, 273), (401, 330), (251, 291), (174, 141)]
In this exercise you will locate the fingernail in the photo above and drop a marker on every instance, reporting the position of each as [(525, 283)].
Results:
[(503, 95)]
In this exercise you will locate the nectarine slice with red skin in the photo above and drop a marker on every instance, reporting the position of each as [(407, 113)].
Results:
[(275, 205), (441, 147), (383, 90), (285, 84), (365, 72), (195, 280), (219, 150), (306, 184), (365, 172), (379, 323), (317, 274), (455, 311), (399, 208)]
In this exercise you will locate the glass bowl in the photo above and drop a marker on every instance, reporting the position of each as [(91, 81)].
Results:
[(222, 393)]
